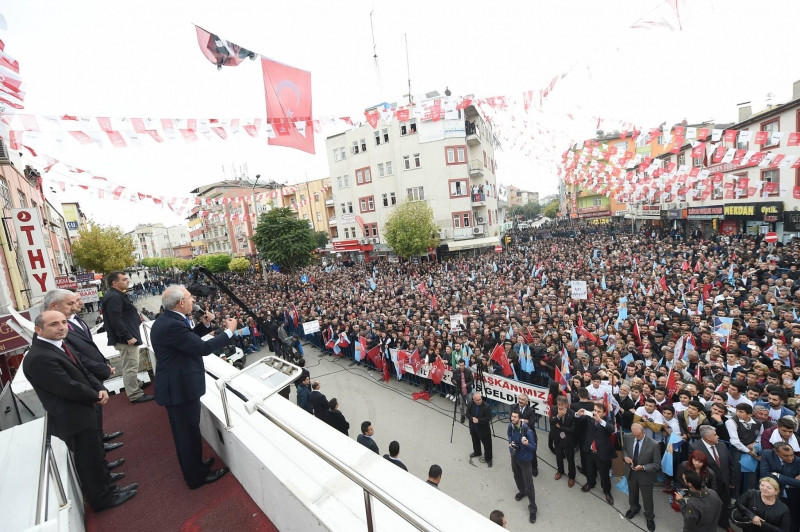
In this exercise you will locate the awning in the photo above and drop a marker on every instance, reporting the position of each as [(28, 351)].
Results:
[(475, 243)]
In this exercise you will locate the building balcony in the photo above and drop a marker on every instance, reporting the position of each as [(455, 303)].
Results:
[(473, 134), (332, 221), (478, 198), (475, 168), (329, 202)]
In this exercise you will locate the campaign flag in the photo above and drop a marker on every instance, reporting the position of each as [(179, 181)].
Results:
[(400, 363), (385, 370), (219, 51), (672, 385), (698, 375), (336, 349), (565, 364), (421, 395), (499, 356), (344, 341), (374, 356), (637, 337), (623, 309), (560, 379), (603, 283), (437, 370), (331, 341), (663, 283), (667, 462), (288, 95), (722, 330), (295, 315), (360, 348), (415, 361)]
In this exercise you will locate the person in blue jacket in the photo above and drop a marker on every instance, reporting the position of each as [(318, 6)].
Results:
[(522, 446)]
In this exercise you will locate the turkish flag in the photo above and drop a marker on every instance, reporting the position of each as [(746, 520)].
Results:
[(374, 355), (288, 94), (415, 361), (372, 118), (499, 356)]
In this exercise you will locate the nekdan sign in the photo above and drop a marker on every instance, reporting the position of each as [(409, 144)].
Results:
[(30, 244)]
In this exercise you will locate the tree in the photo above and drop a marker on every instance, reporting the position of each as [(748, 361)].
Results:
[(283, 239), (103, 248), (321, 239), (410, 229), (551, 209), (239, 265), (182, 264)]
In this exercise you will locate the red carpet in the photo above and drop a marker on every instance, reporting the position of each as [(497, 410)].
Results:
[(164, 502)]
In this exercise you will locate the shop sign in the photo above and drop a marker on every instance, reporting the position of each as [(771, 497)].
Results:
[(676, 214), (762, 212), (791, 222), (705, 213)]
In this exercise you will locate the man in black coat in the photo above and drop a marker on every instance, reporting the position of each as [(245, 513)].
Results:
[(599, 451), (365, 438), (319, 402), (564, 427), (781, 464), (336, 419), (480, 428), (122, 324), (68, 393), (719, 460), (181, 380)]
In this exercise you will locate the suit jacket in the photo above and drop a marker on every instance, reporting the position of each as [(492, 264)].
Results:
[(180, 374), (84, 348), (336, 420), (725, 471), (771, 463), (528, 416), (368, 442), (569, 426), (67, 391), (649, 457), (468, 379), (396, 462), (121, 318), (320, 404), (600, 435), (484, 417)]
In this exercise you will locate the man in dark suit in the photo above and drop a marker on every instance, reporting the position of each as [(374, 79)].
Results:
[(480, 428), (642, 456), (564, 427), (122, 324), (719, 460), (68, 393), (319, 402), (365, 438), (781, 464), (394, 452), (599, 451), (79, 338), (181, 380)]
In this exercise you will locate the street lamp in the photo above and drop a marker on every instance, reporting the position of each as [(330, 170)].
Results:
[(253, 195)]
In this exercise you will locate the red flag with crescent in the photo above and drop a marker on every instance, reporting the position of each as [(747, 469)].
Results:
[(288, 93)]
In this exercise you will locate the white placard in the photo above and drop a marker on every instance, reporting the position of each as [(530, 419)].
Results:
[(578, 289), (455, 321), (310, 327), (88, 295)]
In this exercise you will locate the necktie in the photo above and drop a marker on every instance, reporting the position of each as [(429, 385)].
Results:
[(636, 453), (716, 456), (85, 327), (189, 323), (68, 352)]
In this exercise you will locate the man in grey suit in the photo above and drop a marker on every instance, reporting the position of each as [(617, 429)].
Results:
[(719, 460), (642, 457)]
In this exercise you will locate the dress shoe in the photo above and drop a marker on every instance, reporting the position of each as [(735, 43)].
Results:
[(144, 385), (580, 470), (115, 463), (473, 455), (519, 496), (651, 525), (532, 518), (570, 482), (630, 514), (586, 487), (143, 399), (209, 462), (489, 463), (609, 499), (212, 477), (558, 476), (129, 487), (111, 446), (107, 437), (463, 418), (535, 472), (116, 498), (115, 477)]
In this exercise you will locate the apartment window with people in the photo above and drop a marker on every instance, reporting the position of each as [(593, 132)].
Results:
[(415, 194), (408, 128), (347, 208), (381, 136), (458, 188)]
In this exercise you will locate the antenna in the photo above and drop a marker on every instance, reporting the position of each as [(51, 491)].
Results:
[(408, 69), (375, 54)]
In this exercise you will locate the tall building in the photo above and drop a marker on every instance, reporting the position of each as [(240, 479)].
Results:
[(75, 218), (517, 196), (429, 151), (157, 241)]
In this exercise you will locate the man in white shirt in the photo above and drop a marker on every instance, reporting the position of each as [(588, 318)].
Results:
[(736, 395), (651, 419)]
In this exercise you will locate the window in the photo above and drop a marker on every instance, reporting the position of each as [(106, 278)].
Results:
[(370, 230), (335, 154), (456, 221), (408, 129), (597, 201), (363, 175), (455, 154), (385, 169), (771, 180), (316, 197), (660, 140), (407, 162), (359, 146), (389, 199), (367, 203), (381, 136), (772, 127), (417, 162), (458, 188), (305, 216), (319, 216), (302, 197), (347, 208), (388, 167), (697, 161), (5, 193), (385, 132), (339, 154), (381, 171), (23, 201), (416, 194), (681, 159), (462, 219), (347, 232)]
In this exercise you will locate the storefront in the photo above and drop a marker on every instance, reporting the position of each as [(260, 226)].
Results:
[(675, 219), (352, 250), (791, 222), (753, 218), (596, 214), (701, 222)]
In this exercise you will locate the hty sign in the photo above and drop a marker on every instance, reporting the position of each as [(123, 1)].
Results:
[(30, 244)]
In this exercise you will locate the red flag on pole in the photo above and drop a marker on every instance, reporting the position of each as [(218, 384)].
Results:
[(499, 356), (559, 378), (374, 355), (637, 337), (288, 93), (437, 370), (672, 386), (385, 371), (416, 362), (402, 360)]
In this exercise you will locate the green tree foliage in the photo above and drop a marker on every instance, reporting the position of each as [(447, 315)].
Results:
[(321, 239), (103, 249), (239, 265), (410, 229), (527, 211), (182, 264), (551, 209), (164, 263), (283, 239), (215, 263)]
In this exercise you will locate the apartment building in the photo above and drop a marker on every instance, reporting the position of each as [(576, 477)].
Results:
[(428, 151)]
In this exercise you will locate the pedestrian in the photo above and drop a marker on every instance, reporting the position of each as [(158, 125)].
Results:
[(394, 455), (642, 456), (719, 460), (599, 451), (336, 419), (318, 401), (462, 382), (365, 438), (701, 507), (480, 428), (564, 427), (304, 395), (521, 446), (434, 476), (527, 413), (499, 518)]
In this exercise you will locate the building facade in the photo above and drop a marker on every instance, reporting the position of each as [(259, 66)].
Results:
[(156, 240), (75, 218), (517, 196), (435, 153)]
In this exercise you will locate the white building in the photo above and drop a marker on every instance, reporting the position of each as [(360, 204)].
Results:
[(438, 154), (155, 240)]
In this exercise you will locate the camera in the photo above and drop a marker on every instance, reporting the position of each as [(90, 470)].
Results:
[(514, 448)]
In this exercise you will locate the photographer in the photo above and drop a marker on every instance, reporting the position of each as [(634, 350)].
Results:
[(701, 507), (521, 446)]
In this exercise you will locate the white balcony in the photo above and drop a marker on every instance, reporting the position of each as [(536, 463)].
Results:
[(475, 168)]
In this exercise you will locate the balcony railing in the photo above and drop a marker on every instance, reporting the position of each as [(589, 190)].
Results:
[(473, 133), (475, 168), (478, 197)]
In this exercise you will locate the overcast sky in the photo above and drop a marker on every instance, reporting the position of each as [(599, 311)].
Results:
[(141, 59)]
